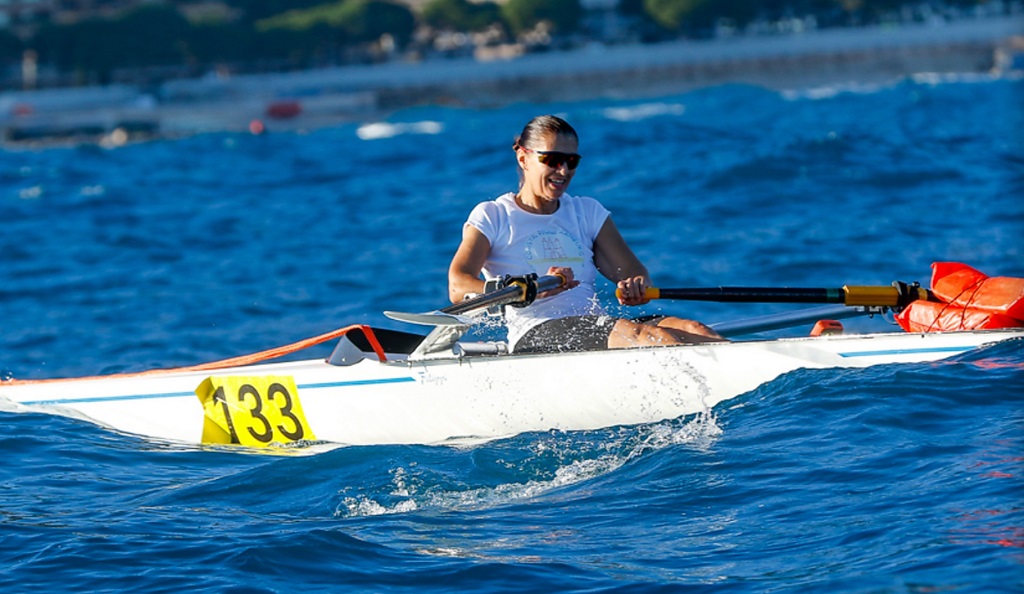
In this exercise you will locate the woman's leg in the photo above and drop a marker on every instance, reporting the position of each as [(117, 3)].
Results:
[(627, 333), (691, 327)]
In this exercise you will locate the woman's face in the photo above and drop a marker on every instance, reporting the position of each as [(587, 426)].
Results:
[(547, 182)]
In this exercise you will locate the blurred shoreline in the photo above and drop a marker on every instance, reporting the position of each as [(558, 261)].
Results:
[(314, 99)]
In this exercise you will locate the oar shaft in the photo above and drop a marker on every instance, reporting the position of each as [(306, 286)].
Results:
[(868, 296), (750, 295)]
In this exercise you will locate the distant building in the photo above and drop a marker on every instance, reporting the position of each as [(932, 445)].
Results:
[(26, 13)]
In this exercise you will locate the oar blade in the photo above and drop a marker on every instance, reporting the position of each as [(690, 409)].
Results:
[(433, 318)]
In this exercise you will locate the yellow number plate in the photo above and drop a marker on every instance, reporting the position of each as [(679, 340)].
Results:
[(252, 411)]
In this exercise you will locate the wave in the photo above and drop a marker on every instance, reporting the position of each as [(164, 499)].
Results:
[(380, 130), (643, 111), (543, 465), (834, 90), (930, 79)]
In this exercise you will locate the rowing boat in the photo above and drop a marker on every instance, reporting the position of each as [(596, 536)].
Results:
[(383, 386), (400, 399)]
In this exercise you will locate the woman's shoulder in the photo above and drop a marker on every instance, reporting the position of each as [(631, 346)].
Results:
[(496, 203), (585, 203), (505, 201), (492, 213)]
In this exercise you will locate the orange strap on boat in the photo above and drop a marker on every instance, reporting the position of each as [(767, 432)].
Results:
[(266, 355)]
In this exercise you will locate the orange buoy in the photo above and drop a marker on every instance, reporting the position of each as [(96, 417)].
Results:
[(930, 316), (961, 285)]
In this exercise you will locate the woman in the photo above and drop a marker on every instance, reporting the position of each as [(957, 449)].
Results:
[(542, 229)]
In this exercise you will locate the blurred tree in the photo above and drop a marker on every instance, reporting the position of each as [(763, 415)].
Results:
[(631, 7), (461, 15), (523, 15), (239, 45), (150, 35), (359, 20), (369, 20), (11, 47), (698, 17), (256, 10), (877, 8)]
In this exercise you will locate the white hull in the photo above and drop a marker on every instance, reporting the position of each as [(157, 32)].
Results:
[(471, 399)]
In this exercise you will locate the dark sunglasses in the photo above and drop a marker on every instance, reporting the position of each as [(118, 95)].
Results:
[(554, 159)]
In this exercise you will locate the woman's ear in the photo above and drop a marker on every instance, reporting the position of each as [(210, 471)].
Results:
[(521, 158)]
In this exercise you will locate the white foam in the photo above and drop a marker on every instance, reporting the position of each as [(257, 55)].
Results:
[(379, 130), (30, 193), (700, 432), (830, 91), (364, 506), (643, 111), (940, 78)]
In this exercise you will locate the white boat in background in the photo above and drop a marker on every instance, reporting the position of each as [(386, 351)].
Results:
[(457, 393)]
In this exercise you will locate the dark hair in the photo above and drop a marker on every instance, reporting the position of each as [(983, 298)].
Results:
[(540, 127)]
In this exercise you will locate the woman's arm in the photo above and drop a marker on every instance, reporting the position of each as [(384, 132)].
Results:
[(464, 271), (619, 264)]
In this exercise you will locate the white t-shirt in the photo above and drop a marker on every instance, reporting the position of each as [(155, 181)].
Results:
[(523, 242)]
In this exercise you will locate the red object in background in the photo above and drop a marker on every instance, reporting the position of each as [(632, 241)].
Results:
[(283, 110)]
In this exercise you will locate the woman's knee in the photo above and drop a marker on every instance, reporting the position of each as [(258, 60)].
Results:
[(690, 327), (627, 333)]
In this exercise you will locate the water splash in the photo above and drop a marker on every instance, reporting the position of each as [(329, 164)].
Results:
[(557, 461)]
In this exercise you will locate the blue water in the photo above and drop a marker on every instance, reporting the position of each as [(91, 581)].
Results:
[(892, 479)]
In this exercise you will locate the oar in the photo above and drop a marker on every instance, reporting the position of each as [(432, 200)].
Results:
[(897, 295), (518, 290)]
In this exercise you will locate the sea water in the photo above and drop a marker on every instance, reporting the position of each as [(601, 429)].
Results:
[(905, 478)]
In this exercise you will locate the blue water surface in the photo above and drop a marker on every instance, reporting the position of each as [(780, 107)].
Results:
[(903, 478)]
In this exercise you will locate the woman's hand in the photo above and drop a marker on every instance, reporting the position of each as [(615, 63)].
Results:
[(630, 291), (565, 273)]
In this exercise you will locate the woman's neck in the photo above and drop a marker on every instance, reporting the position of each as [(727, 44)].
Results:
[(534, 205)]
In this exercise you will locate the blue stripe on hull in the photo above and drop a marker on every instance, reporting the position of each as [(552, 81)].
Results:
[(396, 380), (890, 352)]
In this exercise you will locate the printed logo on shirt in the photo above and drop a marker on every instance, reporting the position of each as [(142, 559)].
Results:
[(545, 249)]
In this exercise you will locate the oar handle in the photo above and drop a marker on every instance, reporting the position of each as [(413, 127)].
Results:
[(649, 293), (517, 291)]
